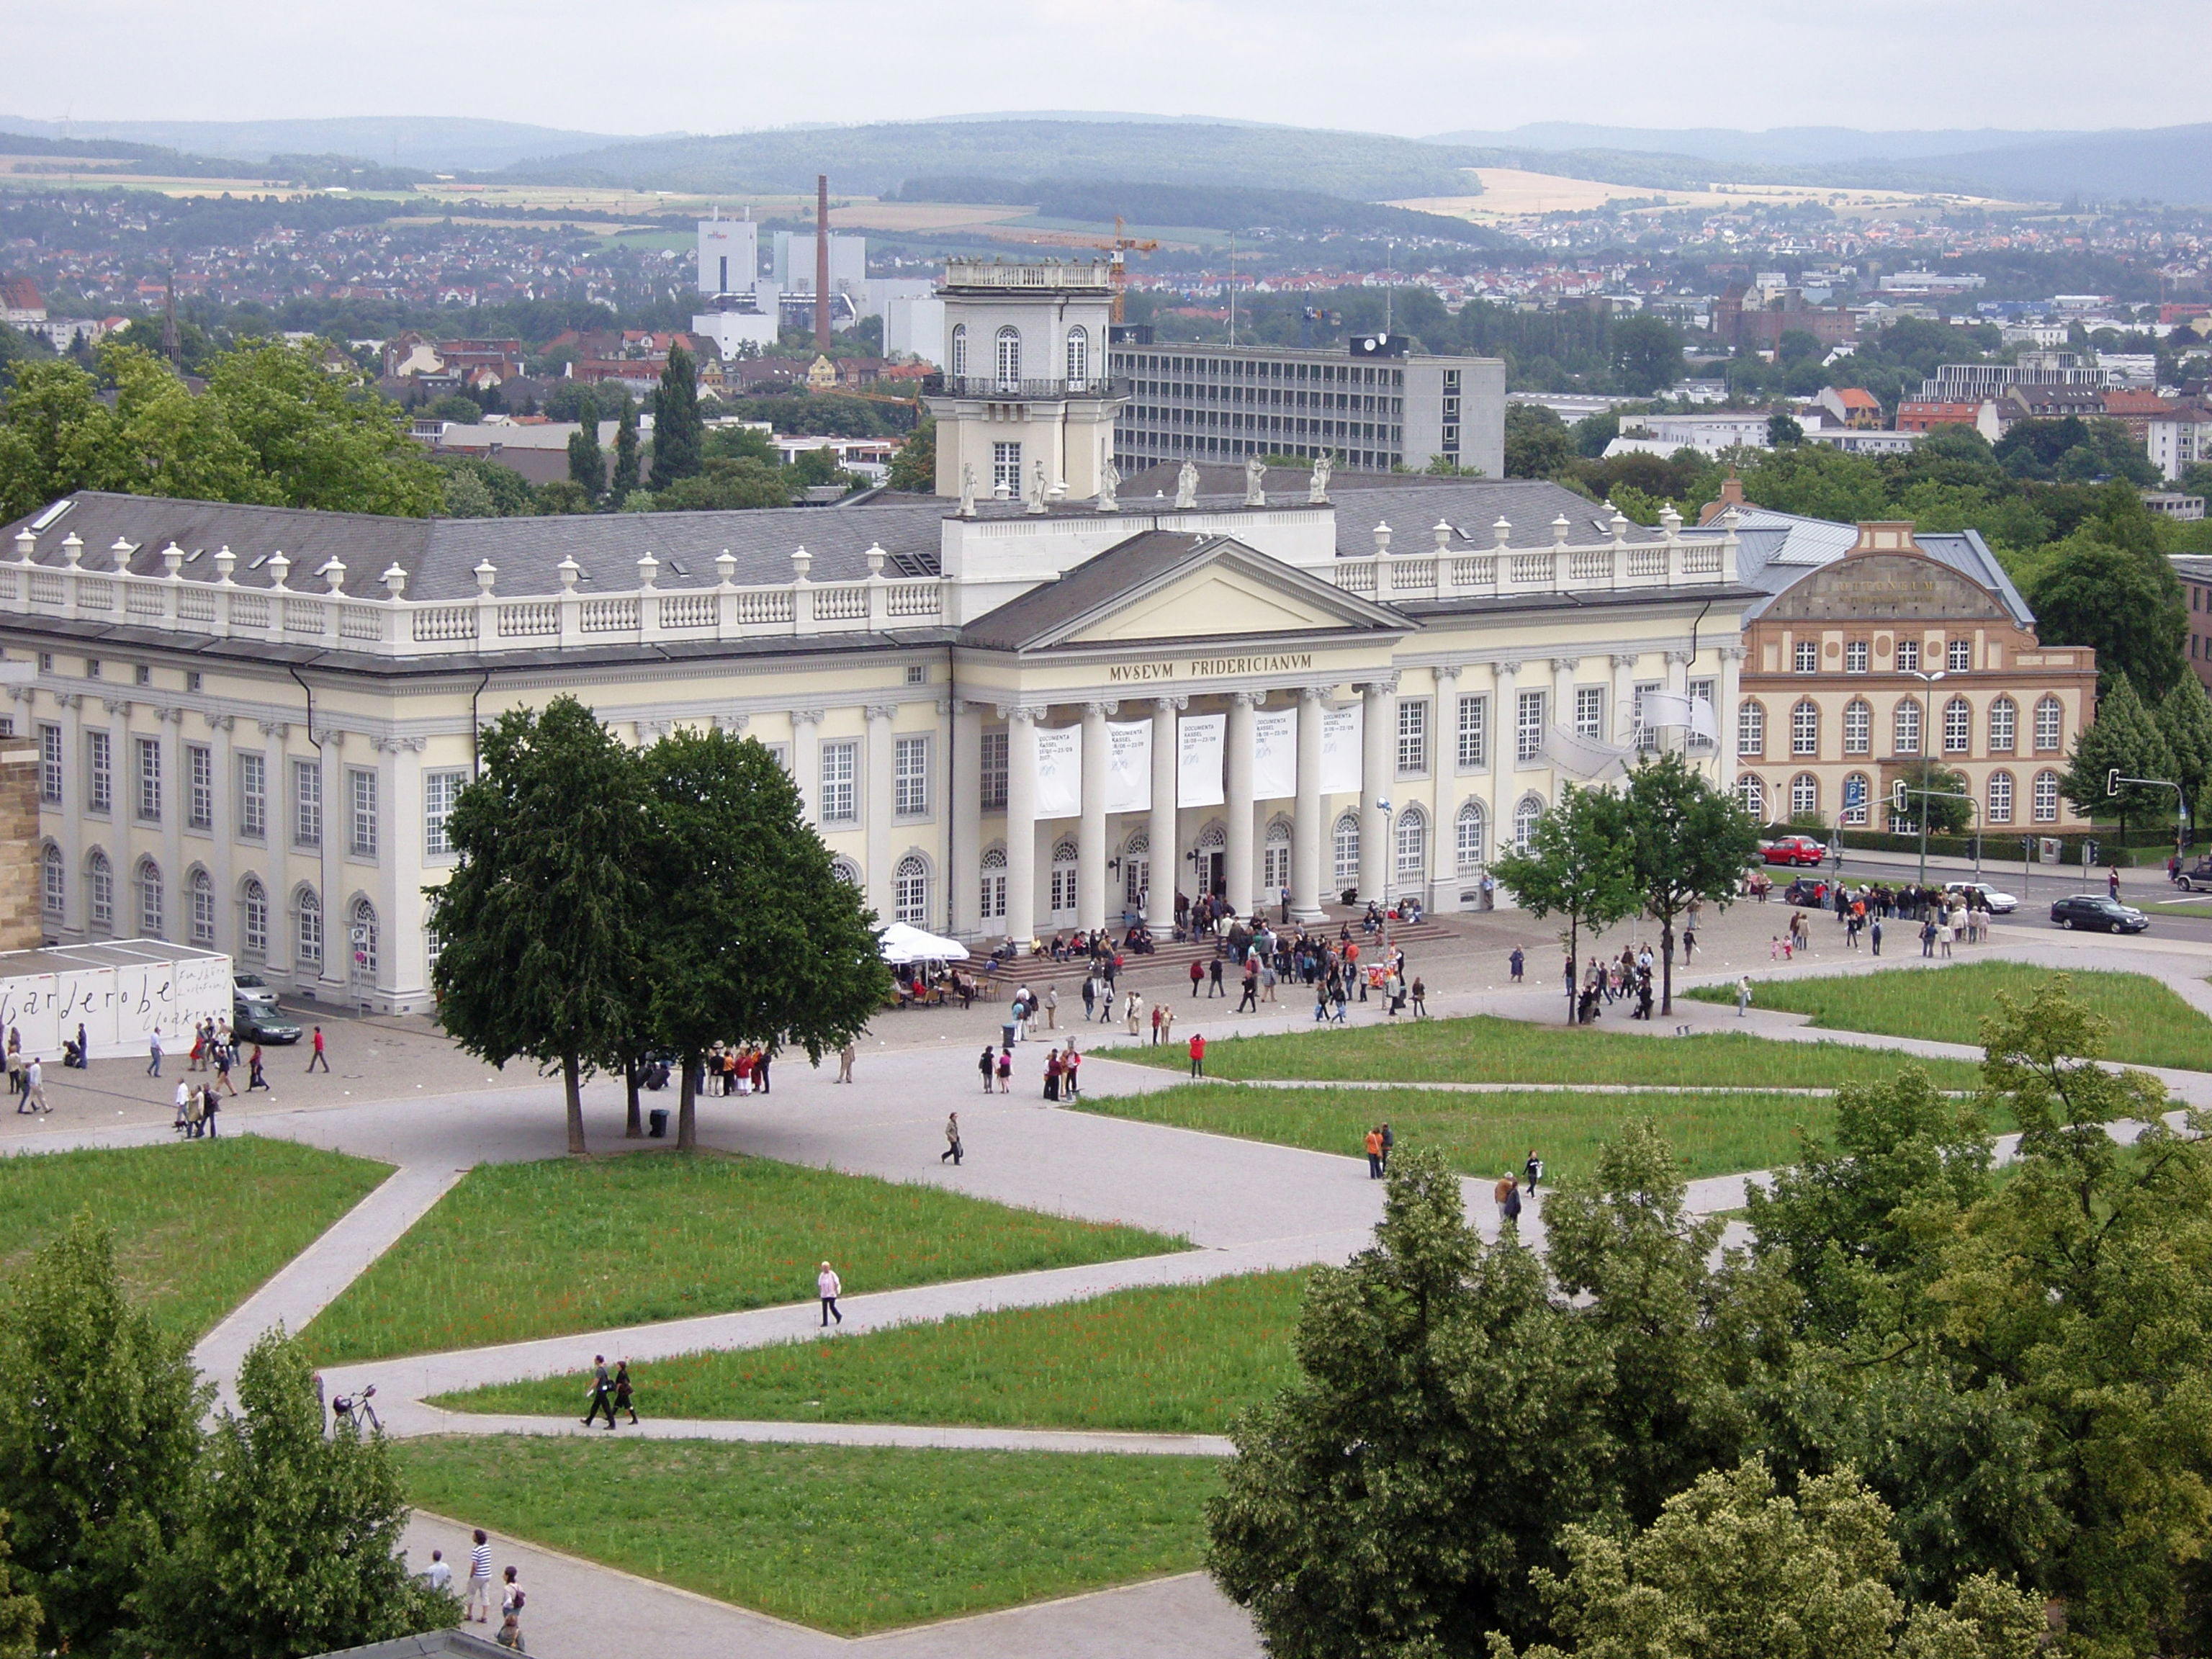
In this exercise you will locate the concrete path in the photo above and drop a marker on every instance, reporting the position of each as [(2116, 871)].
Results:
[(932, 1436)]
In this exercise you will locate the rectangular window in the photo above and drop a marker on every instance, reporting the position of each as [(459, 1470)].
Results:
[(840, 767), (1908, 728), (439, 791), (1751, 731), (1006, 468), (1529, 727), (1958, 727), (307, 803), (98, 773), (1959, 656), (1805, 728), (2004, 719), (2001, 797), (148, 752), (199, 787), (1705, 692), (1858, 727), (2048, 721), (1473, 733), (1412, 736), (910, 777), (1908, 656), (2046, 797), (49, 765), (994, 771), (1807, 656), (361, 807), (1590, 712), (252, 796), (1854, 657)]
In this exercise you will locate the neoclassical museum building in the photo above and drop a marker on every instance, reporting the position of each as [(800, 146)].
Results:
[(1012, 709)]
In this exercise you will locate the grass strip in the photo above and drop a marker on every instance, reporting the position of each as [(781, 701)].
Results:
[(1162, 1359), (847, 1538), (1482, 1134), (197, 1225), (2151, 1025), (1483, 1049), (517, 1251)]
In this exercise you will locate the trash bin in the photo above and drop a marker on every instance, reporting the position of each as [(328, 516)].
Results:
[(1007, 1036), (657, 1123)]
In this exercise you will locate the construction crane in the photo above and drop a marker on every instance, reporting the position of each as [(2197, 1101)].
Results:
[(1121, 245)]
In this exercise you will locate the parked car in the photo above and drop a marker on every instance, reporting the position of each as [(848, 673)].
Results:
[(1810, 891), (261, 1021), (2096, 911), (1792, 849), (2196, 878), (2001, 904)]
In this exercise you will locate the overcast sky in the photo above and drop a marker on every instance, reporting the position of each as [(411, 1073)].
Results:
[(1383, 65)]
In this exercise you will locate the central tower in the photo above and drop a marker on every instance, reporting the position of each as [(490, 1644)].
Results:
[(1025, 380)]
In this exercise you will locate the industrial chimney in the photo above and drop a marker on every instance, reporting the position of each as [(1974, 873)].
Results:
[(822, 262)]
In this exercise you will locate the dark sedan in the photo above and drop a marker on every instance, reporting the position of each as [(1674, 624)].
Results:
[(2097, 911)]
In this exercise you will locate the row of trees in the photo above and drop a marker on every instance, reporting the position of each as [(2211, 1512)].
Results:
[(607, 902), (2171, 739), (135, 1532), (1929, 1396)]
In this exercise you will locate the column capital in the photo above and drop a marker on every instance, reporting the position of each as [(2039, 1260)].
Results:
[(1169, 705), (1025, 713), (117, 706), (1101, 709), (275, 728), (1314, 693), (731, 723), (222, 722), (1381, 685), (882, 711), (1627, 658), (1681, 658), (1513, 667), (1447, 673), (1565, 665), (806, 716), (1248, 699), (1732, 652), (950, 706)]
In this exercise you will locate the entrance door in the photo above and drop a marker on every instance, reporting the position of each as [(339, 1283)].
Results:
[(1216, 864)]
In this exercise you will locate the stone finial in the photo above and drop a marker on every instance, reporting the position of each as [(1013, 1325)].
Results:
[(568, 570), (1559, 529), (172, 562), (27, 547), (279, 569), (726, 568), (647, 569), (333, 574), (395, 581), (1501, 532), (73, 550), (1382, 539), (1671, 522), (225, 562), (121, 552), (1618, 524), (486, 574), (875, 556), (1442, 530), (802, 563)]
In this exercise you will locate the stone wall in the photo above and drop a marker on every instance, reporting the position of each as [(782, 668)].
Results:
[(22, 924)]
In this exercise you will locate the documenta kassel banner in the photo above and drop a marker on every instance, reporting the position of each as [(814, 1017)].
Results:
[(1128, 766), (1201, 747), (1060, 772), (1199, 743)]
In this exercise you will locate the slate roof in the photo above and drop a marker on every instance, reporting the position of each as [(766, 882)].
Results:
[(1777, 550)]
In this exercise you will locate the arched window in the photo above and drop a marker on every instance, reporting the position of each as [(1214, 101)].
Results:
[(54, 886), (99, 892), (2000, 797), (1805, 728), (1064, 866), (993, 906), (1751, 730), (152, 921), (959, 349), (1472, 836), (910, 891), (1010, 358), (1413, 833), (1275, 859), (1345, 840), (1525, 817), (2046, 796), (2050, 725), (1907, 728), (199, 887), (1958, 726), (1136, 869), (1858, 726), (363, 937), (1804, 795), (2004, 726), (307, 927), (253, 918), (1079, 359), (846, 871), (1751, 790), (1858, 787)]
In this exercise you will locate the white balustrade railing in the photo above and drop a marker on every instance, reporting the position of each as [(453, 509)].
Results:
[(1675, 560)]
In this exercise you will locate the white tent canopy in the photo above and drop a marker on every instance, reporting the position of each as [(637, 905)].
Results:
[(904, 943)]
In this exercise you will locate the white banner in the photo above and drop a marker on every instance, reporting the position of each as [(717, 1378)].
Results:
[(1274, 755), (1128, 766), (1199, 745), (1059, 772), (1341, 772)]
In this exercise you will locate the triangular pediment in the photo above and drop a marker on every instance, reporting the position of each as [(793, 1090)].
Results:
[(1885, 587), (1218, 599)]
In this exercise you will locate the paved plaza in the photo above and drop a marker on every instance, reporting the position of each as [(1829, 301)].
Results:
[(399, 1093)]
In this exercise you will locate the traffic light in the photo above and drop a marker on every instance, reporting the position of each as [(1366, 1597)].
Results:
[(1897, 798), (2112, 780), (2088, 854)]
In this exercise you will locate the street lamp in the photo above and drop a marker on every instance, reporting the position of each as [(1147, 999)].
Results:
[(1390, 863), (1926, 731)]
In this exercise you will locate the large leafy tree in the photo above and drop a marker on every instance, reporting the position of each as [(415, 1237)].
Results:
[(18, 1614), (755, 937), (98, 1438), (914, 466), (625, 478), (295, 1542), (677, 428), (325, 440), (1579, 865), (2125, 604), (1688, 842), (588, 462), (2184, 720), (1537, 443), (1647, 356), (542, 919), (2124, 738)]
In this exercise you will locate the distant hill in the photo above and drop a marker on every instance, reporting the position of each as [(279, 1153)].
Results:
[(436, 143), (100, 155), (2158, 164), (1207, 207), (876, 161), (1775, 147)]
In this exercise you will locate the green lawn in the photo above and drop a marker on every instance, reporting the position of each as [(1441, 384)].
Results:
[(1166, 1359), (2151, 1026), (1481, 1048), (197, 1225), (523, 1250), (848, 1538), (1716, 1133)]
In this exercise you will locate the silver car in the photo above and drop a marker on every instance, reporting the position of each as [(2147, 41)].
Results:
[(1999, 905)]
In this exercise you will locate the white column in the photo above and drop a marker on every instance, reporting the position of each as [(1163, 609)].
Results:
[(1729, 694), (1306, 834), (1444, 827), (1090, 826), (875, 805), (1624, 697), (1504, 722), (1239, 861), (1021, 826), (169, 732), (1678, 681), (222, 867), (1166, 855), (403, 965), (337, 946), (806, 760), (1378, 746), (70, 827), (962, 860)]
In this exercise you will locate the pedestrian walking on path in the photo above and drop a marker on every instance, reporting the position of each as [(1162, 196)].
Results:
[(622, 1390), (602, 1396), (438, 1576), (1534, 1169), (478, 1605), (1090, 998), (1197, 1053), (1516, 961), (988, 1066), (1197, 974), (1742, 995), (829, 1287), (952, 1139), (1420, 999), (184, 1106), (1390, 1145), (34, 1088), (1375, 1154), (254, 1079), (1508, 1194), (845, 1056), (211, 1103), (1006, 1071), (319, 1058), (1874, 934), (1051, 1007), (153, 1051), (511, 1603)]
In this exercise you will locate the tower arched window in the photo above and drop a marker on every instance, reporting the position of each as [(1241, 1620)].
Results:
[(2000, 810), (1472, 836), (364, 937), (199, 890), (1856, 788), (55, 881), (1958, 726), (910, 891), (1525, 817), (1064, 866), (1751, 790), (959, 351), (100, 893), (1344, 842), (1805, 727), (2004, 726), (1858, 726), (1413, 834), (2050, 725), (1078, 358), (994, 906), (1804, 795), (1009, 359), (307, 927), (153, 922), (253, 919)]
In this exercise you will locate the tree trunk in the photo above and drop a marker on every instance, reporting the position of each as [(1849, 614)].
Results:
[(687, 1096), (1574, 968), (634, 1128), (572, 1084), (1667, 966)]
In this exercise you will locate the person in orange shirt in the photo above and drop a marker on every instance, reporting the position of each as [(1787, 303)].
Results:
[(1375, 1154)]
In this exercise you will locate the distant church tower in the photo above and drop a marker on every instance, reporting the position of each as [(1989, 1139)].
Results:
[(1025, 378)]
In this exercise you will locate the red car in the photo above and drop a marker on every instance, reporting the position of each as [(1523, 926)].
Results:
[(1792, 849)]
